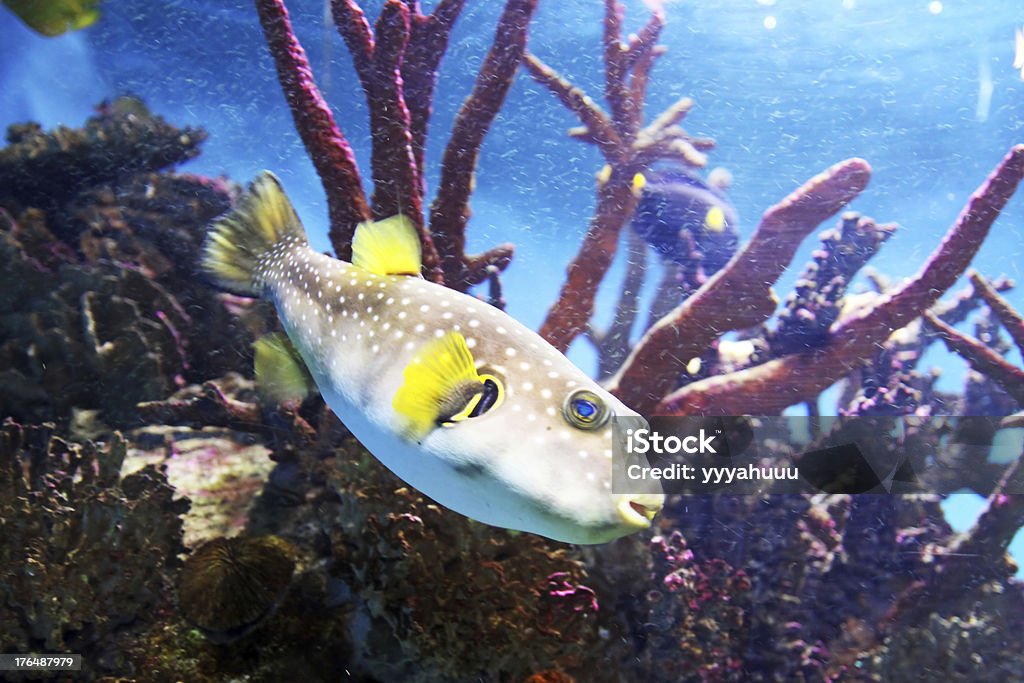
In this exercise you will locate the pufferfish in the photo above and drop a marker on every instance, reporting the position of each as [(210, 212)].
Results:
[(456, 397)]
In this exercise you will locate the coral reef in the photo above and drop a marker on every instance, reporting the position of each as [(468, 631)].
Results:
[(769, 595), (432, 595), (103, 323), (101, 308), (228, 586), (88, 554)]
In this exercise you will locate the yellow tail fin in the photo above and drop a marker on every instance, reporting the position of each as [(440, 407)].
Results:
[(238, 241)]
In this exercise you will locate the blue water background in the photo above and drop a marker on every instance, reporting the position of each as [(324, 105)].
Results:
[(925, 91)]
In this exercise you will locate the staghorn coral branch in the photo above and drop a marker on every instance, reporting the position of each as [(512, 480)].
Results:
[(992, 534), (615, 71), (668, 119), (214, 408), (981, 357), (612, 344), (949, 260), (355, 30), (325, 144), (639, 58), (646, 41), (1011, 319), (669, 147), (598, 127), (618, 137), (767, 389), (569, 316), (450, 210), (971, 559), (378, 57), (396, 186), (428, 41), (740, 294)]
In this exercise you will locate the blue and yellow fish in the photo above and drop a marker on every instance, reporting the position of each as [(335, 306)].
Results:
[(679, 214), (453, 395)]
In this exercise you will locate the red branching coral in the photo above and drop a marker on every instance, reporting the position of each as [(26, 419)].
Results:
[(743, 287), (314, 122), (627, 147), (768, 388), (397, 63)]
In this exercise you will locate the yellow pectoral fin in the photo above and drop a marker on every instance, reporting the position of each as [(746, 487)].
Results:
[(387, 247), (281, 374), (437, 374)]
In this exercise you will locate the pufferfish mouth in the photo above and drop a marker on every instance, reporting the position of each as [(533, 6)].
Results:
[(638, 511)]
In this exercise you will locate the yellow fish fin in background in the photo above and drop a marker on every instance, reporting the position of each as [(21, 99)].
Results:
[(441, 384), (714, 219), (281, 376), (54, 17), (388, 247), (638, 185)]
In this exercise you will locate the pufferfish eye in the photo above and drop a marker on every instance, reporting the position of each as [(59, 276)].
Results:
[(584, 409)]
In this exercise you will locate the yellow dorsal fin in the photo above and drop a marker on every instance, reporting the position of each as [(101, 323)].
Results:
[(387, 247), (281, 375), (439, 382)]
